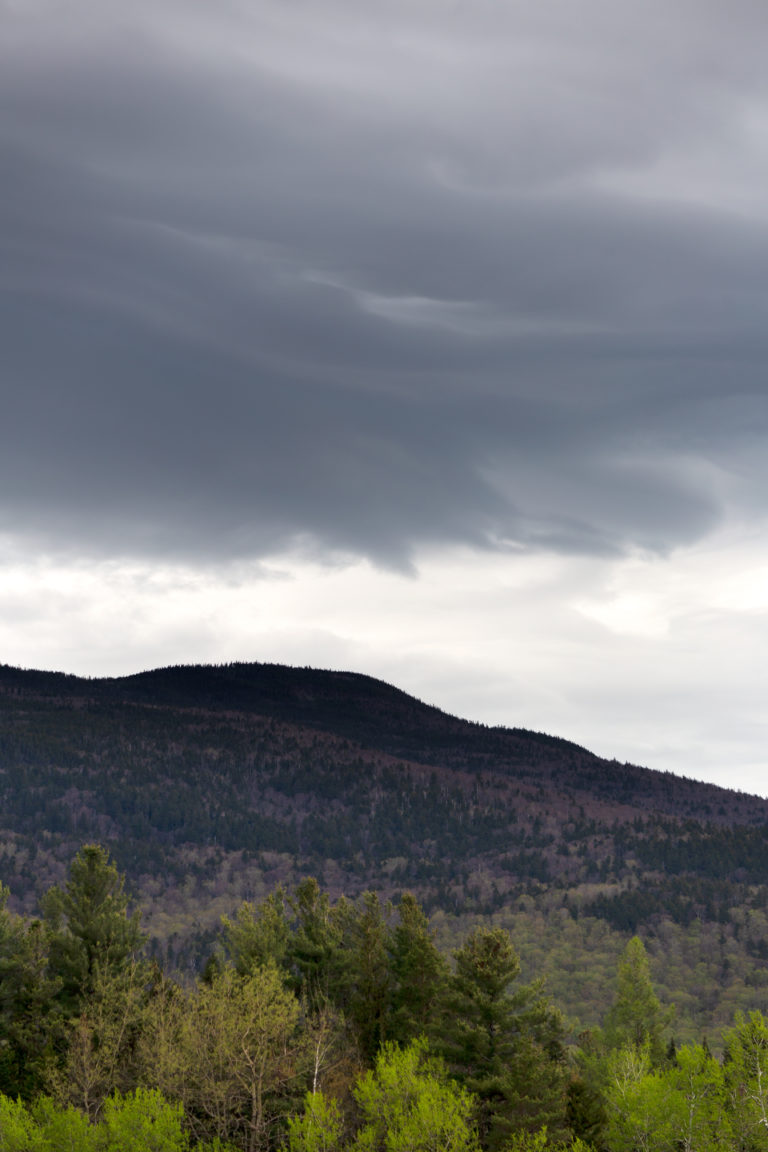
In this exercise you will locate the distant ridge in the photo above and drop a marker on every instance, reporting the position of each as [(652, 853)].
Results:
[(375, 713)]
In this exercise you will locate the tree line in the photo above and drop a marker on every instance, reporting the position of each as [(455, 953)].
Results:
[(320, 1025)]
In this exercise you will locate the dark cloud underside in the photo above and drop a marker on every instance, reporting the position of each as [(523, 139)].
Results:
[(282, 272)]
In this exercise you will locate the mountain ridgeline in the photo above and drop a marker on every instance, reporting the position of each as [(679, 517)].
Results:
[(210, 785)]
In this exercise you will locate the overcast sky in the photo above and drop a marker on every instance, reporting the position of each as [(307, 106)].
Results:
[(425, 338)]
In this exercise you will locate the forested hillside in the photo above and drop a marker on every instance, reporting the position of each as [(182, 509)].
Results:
[(213, 785)]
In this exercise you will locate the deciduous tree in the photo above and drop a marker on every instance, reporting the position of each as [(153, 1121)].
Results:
[(231, 1052), (318, 1128), (409, 1104), (746, 1080)]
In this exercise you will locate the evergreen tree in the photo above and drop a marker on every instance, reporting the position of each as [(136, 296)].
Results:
[(418, 973), (30, 1023), (258, 935), (90, 929), (368, 974), (504, 1045), (637, 1016), (315, 952), (585, 1111)]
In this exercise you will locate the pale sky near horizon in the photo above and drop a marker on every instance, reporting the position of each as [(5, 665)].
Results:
[(423, 339)]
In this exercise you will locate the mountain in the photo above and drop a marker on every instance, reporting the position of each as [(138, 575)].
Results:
[(210, 785)]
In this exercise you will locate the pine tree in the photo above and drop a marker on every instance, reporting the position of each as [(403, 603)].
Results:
[(637, 1017), (315, 947), (368, 974), (418, 971), (91, 932), (505, 1046), (257, 935), (30, 1024)]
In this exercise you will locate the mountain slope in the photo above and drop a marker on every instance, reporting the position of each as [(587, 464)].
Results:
[(211, 784), (382, 718)]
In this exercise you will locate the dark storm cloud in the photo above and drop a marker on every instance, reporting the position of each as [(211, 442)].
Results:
[(494, 275)]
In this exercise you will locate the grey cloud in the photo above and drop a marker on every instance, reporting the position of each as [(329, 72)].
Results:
[(309, 272)]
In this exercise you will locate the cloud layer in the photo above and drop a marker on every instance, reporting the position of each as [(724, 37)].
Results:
[(368, 279)]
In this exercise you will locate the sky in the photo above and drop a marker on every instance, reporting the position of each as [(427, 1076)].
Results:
[(426, 339)]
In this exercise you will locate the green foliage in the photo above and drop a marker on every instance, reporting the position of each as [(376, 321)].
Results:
[(408, 1104), (142, 1122), (639, 1103), (528, 1142), (504, 1045), (257, 935), (680, 1107), (418, 973), (318, 1128), (18, 1131), (637, 1016), (30, 1025), (315, 948), (367, 972), (230, 1052), (63, 1129), (90, 928), (540, 1142), (699, 1117), (746, 1080)]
